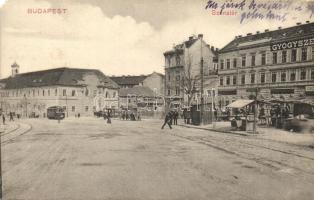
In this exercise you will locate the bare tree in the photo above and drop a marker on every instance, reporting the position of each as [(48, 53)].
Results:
[(189, 81)]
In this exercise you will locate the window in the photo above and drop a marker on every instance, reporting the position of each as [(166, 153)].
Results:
[(178, 77), (243, 79), (114, 95), (313, 52), (263, 58), (284, 57), (234, 63), (253, 60), (263, 77), (56, 92), (312, 74), (228, 80), (274, 57), (107, 94), (303, 74), (304, 54), (48, 92), (292, 75), (43, 92), (234, 80), (73, 108), (169, 92), (221, 81), (94, 92), (86, 108), (73, 93), (177, 91), (33, 93), (169, 77), (86, 92), (283, 76), (293, 55), (178, 60), (64, 92), (274, 77), (228, 63), (221, 64), (243, 61), (252, 78)]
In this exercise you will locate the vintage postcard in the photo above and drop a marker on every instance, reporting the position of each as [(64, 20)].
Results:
[(156, 100)]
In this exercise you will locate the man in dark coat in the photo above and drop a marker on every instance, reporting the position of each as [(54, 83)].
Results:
[(168, 118), (175, 117)]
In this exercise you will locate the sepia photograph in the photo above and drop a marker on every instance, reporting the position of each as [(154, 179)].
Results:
[(156, 100)]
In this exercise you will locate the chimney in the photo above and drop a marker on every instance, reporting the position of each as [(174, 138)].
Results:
[(257, 32), (249, 34), (266, 30), (240, 36), (279, 28), (200, 36), (307, 22), (208, 45), (299, 23), (15, 68), (212, 48), (191, 38)]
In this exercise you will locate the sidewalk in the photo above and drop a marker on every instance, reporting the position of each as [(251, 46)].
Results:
[(265, 133)]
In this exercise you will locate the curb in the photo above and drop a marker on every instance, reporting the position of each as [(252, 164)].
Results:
[(215, 130)]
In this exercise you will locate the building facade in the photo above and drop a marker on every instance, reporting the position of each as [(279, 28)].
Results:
[(154, 81), (183, 71), (78, 91), (275, 64)]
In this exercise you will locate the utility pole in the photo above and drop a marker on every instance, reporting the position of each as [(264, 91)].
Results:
[(255, 111), (202, 84), (202, 92), (213, 112)]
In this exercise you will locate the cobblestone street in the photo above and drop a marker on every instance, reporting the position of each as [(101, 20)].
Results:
[(88, 159)]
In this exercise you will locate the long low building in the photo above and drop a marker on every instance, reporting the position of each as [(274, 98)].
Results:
[(275, 64), (78, 91)]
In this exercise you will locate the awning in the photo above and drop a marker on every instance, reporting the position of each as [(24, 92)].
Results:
[(240, 103)]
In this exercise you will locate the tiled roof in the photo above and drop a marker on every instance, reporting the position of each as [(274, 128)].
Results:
[(178, 49), (269, 37), (136, 91), (128, 80), (59, 76)]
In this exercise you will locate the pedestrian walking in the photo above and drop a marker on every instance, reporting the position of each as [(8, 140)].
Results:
[(11, 116), (108, 118), (175, 117), (3, 119), (168, 118)]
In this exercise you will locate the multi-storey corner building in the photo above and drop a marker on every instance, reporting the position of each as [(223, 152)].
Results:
[(184, 62), (76, 90), (278, 64)]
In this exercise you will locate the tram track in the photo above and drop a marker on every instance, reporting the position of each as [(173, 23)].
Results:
[(23, 132), (242, 153)]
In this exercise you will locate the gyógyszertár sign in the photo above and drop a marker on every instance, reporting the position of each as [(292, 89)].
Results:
[(292, 44)]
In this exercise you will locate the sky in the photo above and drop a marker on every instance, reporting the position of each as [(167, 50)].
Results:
[(121, 37)]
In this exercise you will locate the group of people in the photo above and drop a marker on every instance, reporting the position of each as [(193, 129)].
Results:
[(171, 118), (125, 115), (11, 116)]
